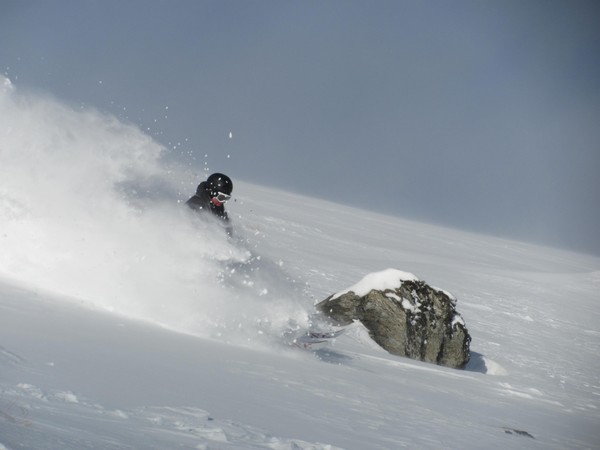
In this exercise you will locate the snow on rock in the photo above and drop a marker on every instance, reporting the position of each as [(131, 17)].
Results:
[(457, 319), (381, 281)]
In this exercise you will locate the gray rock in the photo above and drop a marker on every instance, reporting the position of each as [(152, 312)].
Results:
[(413, 320)]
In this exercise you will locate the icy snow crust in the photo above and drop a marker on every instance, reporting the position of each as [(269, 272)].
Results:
[(125, 322)]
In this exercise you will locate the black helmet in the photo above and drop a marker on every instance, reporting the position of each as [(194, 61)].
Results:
[(218, 182)]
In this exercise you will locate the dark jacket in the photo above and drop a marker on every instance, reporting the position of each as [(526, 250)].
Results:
[(201, 203)]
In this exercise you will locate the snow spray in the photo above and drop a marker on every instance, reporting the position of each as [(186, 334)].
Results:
[(91, 210)]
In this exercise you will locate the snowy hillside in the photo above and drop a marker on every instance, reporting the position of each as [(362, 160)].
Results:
[(125, 322)]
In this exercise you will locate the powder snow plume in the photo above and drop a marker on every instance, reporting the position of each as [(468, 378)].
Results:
[(90, 209)]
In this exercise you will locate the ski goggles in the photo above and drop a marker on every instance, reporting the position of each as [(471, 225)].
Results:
[(221, 197)]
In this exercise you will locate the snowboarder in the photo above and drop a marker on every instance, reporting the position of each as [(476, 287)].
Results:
[(211, 196)]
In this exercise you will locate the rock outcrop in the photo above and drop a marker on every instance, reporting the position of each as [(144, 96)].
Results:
[(405, 316)]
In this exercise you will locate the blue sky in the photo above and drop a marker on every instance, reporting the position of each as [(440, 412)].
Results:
[(477, 115)]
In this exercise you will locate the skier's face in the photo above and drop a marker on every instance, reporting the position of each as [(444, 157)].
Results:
[(220, 198)]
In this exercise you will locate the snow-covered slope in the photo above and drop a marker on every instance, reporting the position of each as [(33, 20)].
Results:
[(127, 323)]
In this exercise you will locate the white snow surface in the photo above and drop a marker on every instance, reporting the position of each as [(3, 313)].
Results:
[(127, 322)]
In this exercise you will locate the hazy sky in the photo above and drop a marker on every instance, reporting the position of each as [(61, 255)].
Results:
[(483, 115)]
